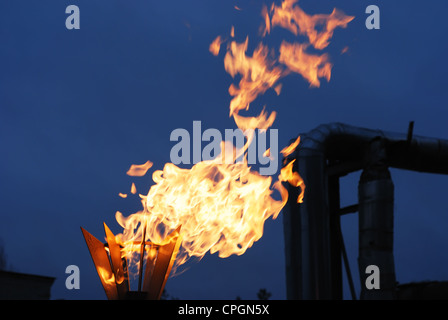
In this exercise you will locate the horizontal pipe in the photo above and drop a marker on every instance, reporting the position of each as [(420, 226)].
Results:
[(347, 144)]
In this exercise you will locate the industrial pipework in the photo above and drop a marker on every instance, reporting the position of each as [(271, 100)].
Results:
[(313, 241)]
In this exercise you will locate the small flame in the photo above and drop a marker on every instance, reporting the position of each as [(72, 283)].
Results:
[(290, 16), (123, 195), (133, 188), (287, 174), (215, 46), (278, 89), (267, 153), (291, 148), (139, 170), (311, 67), (108, 277), (267, 21)]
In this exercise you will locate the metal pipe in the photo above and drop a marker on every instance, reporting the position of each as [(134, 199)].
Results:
[(307, 226), (376, 222), (347, 144), (335, 237), (376, 232), (347, 268)]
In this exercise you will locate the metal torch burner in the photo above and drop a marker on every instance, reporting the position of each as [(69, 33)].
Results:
[(112, 265)]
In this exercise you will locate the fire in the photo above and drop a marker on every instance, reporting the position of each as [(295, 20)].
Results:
[(290, 16), (222, 205), (287, 174), (258, 74), (290, 149), (215, 46), (223, 213), (108, 277), (133, 188), (311, 67), (139, 170)]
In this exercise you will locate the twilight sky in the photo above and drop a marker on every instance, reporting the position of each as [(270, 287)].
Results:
[(78, 107)]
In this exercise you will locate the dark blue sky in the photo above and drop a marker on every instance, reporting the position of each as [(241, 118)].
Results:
[(78, 107)]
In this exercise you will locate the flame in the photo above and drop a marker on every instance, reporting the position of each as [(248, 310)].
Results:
[(108, 277), (267, 153), (224, 212), (262, 121), (311, 67), (294, 179), (290, 16), (290, 149), (258, 74), (139, 170), (278, 89), (223, 205), (215, 46), (133, 188), (123, 195), (267, 21)]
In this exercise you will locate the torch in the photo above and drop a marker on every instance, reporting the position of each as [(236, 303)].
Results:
[(112, 265)]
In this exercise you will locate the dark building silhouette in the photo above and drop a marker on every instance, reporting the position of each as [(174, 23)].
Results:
[(20, 286)]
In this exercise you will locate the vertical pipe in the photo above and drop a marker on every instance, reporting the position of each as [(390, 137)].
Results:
[(293, 246), (376, 205), (335, 237), (309, 276)]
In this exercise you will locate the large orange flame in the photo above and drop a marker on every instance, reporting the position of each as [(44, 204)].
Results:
[(223, 205)]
